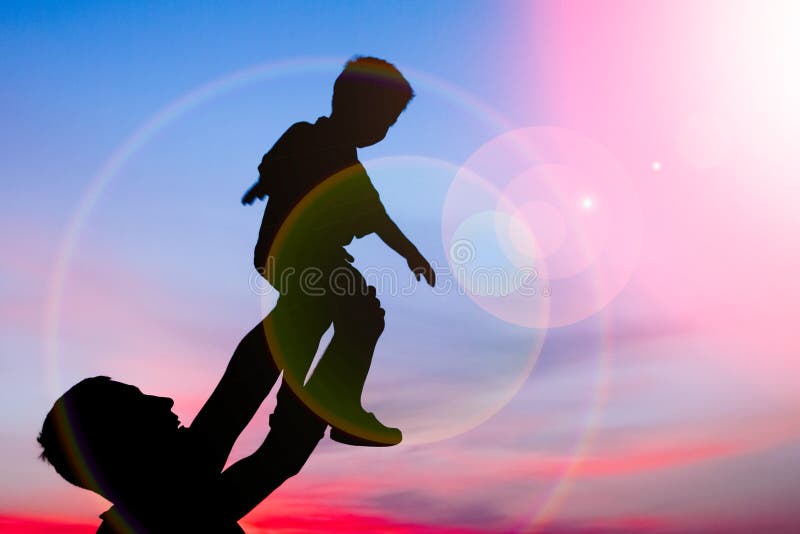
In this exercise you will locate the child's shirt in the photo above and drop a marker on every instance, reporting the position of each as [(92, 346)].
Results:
[(320, 196)]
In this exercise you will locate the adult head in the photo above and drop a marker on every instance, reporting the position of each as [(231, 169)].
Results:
[(109, 437)]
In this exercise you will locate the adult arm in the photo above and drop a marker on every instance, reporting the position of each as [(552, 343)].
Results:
[(294, 434)]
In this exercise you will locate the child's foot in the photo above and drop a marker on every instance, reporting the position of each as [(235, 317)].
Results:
[(377, 434)]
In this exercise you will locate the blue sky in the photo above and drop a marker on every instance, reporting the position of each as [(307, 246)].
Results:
[(669, 409)]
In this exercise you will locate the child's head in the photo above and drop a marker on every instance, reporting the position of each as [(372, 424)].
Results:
[(106, 436), (368, 96)]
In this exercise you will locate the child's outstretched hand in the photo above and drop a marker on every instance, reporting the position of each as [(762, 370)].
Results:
[(420, 266)]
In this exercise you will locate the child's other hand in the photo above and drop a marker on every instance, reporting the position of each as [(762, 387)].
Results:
[(420, 266), (252, 194)]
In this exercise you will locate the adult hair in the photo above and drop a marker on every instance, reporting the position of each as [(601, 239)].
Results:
[(77, 436), (370, 83)]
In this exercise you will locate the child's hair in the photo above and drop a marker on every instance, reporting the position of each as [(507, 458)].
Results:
[(370, 83)]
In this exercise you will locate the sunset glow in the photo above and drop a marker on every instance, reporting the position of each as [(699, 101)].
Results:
[(607, 189)]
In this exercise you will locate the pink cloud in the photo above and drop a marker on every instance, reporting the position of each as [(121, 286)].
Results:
[(625, 463)]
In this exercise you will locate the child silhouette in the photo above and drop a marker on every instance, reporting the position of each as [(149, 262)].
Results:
[(320, 198)]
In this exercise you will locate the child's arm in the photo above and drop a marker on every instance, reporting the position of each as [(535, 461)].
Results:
[(270, 166), (375, 219), (391, 234), (266, 171)]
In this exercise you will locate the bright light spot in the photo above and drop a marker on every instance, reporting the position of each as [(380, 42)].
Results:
[(587, 203), (656, 166)]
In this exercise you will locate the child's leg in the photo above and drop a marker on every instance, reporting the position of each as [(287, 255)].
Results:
[(360, 319), (357, 326), (338, 380), (294, 331)]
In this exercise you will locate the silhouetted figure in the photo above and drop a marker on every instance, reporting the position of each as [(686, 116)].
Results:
[(320, 198), (110, 438)]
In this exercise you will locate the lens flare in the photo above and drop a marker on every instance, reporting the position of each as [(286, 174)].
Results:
[(563, 207), (466, 385)]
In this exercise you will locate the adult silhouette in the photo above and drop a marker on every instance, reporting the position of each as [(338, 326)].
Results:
[(112, 439)]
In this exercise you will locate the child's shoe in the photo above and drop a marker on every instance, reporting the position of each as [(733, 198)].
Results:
[(372, 433)]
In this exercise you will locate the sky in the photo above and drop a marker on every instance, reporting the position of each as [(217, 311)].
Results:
[(607, 189)]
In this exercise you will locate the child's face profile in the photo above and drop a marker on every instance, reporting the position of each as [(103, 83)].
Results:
[(373, 127)]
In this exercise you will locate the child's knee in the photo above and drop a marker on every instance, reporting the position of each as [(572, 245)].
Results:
[(360, 316)]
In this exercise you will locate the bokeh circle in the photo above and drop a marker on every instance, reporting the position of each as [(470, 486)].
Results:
[(555, 203)]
